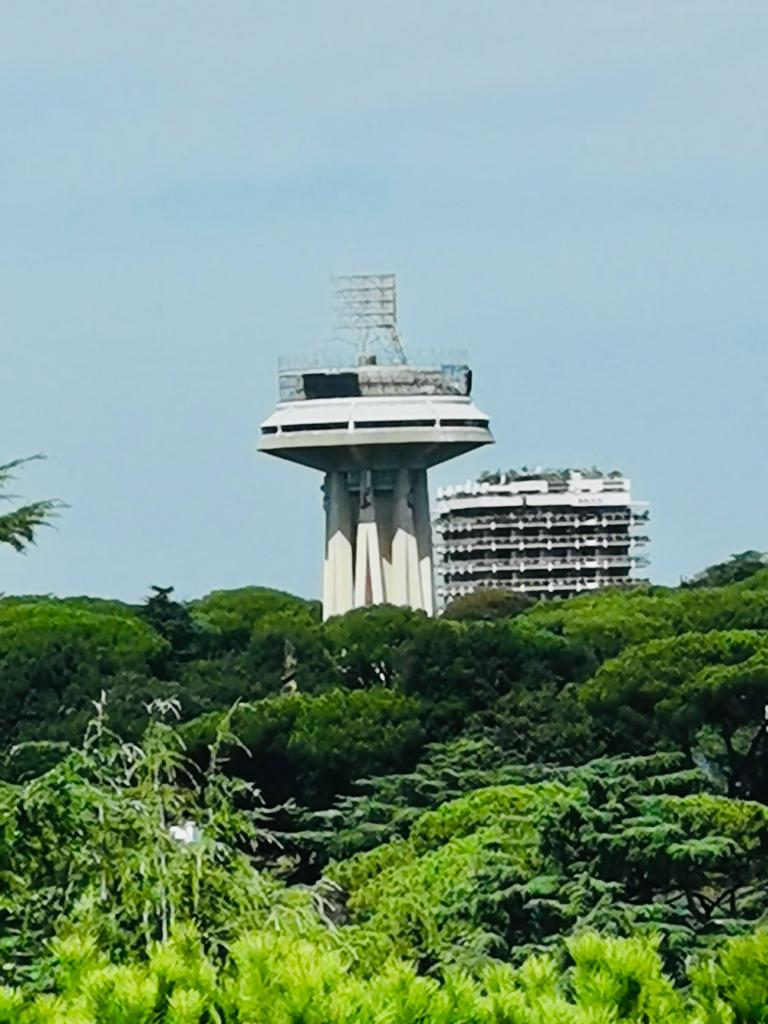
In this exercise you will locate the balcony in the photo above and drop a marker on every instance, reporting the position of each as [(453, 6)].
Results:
[(546, 540), (484, 566)]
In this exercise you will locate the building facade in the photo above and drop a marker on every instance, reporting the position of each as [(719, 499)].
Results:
[(544, 533)]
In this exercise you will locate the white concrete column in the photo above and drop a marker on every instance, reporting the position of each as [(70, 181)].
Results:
[(385, 523), (402, 526), (338, 570), (369, 579), (423, 534), (412, 544)]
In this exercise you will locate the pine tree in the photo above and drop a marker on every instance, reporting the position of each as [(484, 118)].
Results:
[(19, 526)]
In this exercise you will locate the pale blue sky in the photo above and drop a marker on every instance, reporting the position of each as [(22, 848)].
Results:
[(575, 192)]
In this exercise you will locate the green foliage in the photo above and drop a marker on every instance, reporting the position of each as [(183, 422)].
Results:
[(671, 689), (428, 894), (614, 619), (316, 745), (544, 722), (573, 846), (285, 978), (89, 846), (458, 668), (733, 570), (290, 654), (514, 865), (19, 527), (105, 605), (54, 660), (24, 761), (364, 643), (734, 984), (187, 637), (234, 613), (488, 603)]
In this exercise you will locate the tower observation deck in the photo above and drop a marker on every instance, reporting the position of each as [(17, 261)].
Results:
[(373, 427)]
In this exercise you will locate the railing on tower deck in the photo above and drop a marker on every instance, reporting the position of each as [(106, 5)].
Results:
[(337, 375), (345, 359)]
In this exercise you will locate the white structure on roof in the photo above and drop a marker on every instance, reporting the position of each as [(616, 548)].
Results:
[(374, 429), (545, 533)]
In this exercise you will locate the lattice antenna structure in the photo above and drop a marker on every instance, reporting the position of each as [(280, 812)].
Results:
[(365, 311)]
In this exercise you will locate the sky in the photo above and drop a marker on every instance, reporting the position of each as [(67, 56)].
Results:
[(574, 193)]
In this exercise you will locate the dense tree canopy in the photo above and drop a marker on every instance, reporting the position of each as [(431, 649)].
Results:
[(488, 603), (732, 570), (55, 658), (507, 813), (673, 689)]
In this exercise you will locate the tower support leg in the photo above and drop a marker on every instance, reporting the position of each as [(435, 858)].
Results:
[(369, 570), (338, 570), (422, 528), (378, 541)]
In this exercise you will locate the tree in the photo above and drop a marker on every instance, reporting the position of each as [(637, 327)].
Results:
[(622, 844), (19, 526), (364, 642), (669, 691), (312, 747), (56, 658), (488, 603), (91, 842), (612, 620), (545, 722), (457, 668), (235, 613), (738, 567), (188, 638)]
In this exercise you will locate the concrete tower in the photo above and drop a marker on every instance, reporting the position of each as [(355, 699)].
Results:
[(374, 427)]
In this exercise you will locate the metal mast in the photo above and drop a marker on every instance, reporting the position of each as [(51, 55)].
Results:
[(365, 308)]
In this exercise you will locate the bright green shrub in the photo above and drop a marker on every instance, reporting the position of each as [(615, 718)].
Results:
[(277, 978), (733, 984), (622, 978)]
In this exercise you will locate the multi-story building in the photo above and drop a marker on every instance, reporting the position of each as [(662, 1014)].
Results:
[(546, 533)]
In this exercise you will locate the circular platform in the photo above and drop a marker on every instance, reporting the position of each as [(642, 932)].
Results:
[(415, 431)]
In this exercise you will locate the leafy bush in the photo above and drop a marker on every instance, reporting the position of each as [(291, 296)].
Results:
[(282, 977), (90, 845)]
